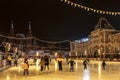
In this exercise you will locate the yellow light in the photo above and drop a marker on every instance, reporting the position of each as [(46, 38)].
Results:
[(82, 6), (115, 13), (85, 8), (78, 5), (103, 12), (37, 64), (71, 3), (86, 74), (56, 66), (118, 13), (8, 77), (56, 54), (68, 2), (76, 53), (112, 13), (76, 65), (99, 70), (88, 9), (98, 11), (69, 53), (94, 10), (107, 12), (37, 53)]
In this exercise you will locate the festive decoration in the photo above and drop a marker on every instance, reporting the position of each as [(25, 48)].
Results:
[(51, 41), (15, 37), (91, 9)]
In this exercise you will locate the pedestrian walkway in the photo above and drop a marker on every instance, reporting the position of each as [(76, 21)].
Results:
[(93, 72)]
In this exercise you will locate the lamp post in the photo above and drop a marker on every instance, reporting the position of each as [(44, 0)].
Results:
[(99, 53), (7, 48), (76, 54), (104, 46)]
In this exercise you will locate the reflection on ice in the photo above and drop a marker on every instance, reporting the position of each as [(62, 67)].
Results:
[(7, 77), (19, 69), (56, 66), (93, 72), (86, 74), (99, 70), (76, 65), (37, 64)]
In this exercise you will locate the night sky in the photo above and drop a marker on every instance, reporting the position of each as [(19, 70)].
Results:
[(53, 19)]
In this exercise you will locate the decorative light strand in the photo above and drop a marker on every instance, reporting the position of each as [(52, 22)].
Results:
[(51, 41), (33, 38), (91, 9), (15, 37)]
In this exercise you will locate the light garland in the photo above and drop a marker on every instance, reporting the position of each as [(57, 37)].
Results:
[(33, 38), (15, 37), (26, 38), (51, 41), (91, 9)]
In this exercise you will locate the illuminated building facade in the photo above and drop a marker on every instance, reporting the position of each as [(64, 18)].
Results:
[(102, 42), (22, 43)]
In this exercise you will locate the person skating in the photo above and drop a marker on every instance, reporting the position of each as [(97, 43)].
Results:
[(26, 67), (46, 59), (71, 62), (59, 59), (103, 65), (85, 63), (42, 63)]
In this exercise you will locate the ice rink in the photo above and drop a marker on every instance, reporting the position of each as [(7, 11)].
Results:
[(94, 72)]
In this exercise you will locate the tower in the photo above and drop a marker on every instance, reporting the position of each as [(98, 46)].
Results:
[(12, 30), (29, 34), (29, 41), (103, 24), (11, 33)]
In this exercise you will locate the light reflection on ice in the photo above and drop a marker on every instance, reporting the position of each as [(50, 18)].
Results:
[(7, 77), (76, 65), (86, 74), (37, 64), (20, 68), (56, 66), (99, 70)]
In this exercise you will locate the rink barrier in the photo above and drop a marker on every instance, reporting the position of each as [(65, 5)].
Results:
[(3, 68)]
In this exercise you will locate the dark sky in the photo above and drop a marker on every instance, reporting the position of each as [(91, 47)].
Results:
[(53, 19)]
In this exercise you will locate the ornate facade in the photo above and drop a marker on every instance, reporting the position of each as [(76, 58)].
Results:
[(103, 40), (20, 43)]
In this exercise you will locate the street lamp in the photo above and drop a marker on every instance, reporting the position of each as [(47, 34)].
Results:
[(104, 45), (99, 52)]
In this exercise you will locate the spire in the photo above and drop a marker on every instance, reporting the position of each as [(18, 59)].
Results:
[(29, 31), (103, 24), (29, 26), (11, 24), (12, 29)]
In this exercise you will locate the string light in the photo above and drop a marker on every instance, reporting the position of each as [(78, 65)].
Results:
[(32, 38), (90, 9), (51, 41), (15, 37)]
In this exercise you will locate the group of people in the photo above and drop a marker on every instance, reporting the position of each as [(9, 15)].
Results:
[(44, 64), (71, 62), (12, 60), (86, 62)]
